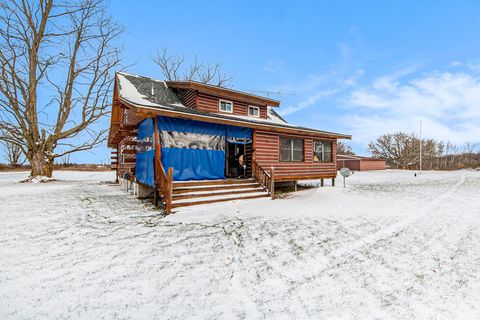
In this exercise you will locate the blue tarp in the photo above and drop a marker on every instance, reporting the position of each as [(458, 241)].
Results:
[(190, 126), (238, 133), (145, 153), (196, 150), (194, 164)]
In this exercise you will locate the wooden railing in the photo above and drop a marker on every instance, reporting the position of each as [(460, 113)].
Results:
[(267, 180), (164, 185), (163, 181)]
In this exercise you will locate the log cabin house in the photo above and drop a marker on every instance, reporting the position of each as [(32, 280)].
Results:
[(192, 143)]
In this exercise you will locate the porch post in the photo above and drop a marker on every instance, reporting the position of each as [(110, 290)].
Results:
[(169, 191), (157, 157), (272, 182)]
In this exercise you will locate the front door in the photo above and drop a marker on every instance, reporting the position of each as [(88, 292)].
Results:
[(235, 165)]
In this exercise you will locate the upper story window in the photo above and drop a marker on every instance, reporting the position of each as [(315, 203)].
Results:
[(291, 149), (254, 111), (322, 151), (225, 106)]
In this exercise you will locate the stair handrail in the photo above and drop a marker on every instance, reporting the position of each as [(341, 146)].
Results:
[(165, 182), (265, 179)]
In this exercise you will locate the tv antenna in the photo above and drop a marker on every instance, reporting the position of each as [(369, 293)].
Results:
[(269, 93)]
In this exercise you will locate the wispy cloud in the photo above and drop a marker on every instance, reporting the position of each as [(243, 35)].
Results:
[(315, 88), (320, 87), (309, 101), (448, 103), (276, 66)]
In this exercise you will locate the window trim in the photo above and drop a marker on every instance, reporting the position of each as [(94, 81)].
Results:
[(220, 104), (323, 152), (291, 149), (256, 108)]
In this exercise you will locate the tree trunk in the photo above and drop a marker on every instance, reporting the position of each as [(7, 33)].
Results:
[(42, 165)]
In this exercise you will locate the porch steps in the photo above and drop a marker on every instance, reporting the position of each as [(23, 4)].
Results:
[(204, 192), (212, 182)]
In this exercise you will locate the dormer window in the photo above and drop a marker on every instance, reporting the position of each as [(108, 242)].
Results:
[(225, 106), (254, 111)]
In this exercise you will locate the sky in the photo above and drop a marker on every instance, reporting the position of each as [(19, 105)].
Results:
[(363, 68)]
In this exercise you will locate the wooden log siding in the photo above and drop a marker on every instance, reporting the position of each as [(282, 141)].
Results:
[(125, 164), (209, 103), (267, 154), (188, 97)]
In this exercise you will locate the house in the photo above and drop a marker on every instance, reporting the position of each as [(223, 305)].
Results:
[(359, 163), (191, 143)]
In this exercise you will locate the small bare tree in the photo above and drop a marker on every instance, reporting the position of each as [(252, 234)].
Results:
[(65, 160), (63, 50), (469, 151), (174, 68), (343, 148), (13, 154)]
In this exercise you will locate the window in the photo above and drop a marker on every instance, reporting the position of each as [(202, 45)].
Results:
[(253, 111), (225, 106), (291, 149), (322, 151)]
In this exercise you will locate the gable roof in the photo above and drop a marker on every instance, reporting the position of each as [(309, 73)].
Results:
[(156, 95)]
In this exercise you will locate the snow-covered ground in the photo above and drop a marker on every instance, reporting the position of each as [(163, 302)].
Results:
[(389, 246)]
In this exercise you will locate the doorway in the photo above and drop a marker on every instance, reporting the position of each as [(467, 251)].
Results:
[(236, 160)]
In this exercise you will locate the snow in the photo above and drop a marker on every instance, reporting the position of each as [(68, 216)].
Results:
[(274, 117), (389, 246), (38, 179), (129, 92)]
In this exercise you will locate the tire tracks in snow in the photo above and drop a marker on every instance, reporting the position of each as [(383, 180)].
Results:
[(396, 228), (313, 267)]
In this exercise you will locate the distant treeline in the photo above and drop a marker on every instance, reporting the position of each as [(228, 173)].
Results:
[(70, 166), (402, 151)]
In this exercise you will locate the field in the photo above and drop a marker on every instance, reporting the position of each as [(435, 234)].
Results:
[(389, 246)]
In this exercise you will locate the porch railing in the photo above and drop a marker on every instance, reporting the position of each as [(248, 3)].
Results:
[(266, 180), (164, 182)]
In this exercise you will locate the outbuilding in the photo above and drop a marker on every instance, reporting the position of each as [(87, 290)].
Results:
[(359, 163)]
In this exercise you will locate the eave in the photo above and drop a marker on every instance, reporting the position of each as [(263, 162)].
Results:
[(144, 112)]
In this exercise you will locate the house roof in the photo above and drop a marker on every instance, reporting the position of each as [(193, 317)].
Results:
[(156, 95)]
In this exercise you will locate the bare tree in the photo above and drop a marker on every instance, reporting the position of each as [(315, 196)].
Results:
[(65, 160), (399, 149), (343, 148), (175, 68), (470, 147), (13, 154), (66, 51)]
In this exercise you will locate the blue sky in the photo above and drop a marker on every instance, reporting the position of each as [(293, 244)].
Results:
[(357, 67)]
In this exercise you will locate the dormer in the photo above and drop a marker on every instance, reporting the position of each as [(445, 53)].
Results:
[(209, 98)]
